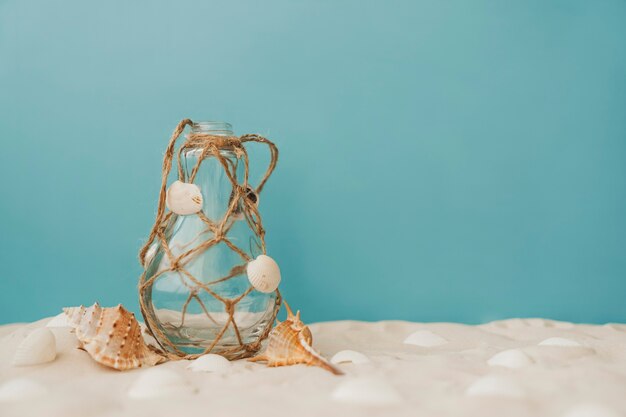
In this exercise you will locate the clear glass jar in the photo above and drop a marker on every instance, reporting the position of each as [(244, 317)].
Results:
[(190, 317)]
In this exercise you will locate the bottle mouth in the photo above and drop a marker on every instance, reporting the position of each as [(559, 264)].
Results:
[(213, 128)]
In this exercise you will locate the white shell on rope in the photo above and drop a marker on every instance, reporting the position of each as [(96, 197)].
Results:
[(263, 274), (210, 363), (493, 386), (512, 358), (160, 383), (425, 338), (21, 389), (366, 391), (183, 198), (559, 341), (346, 356), (38, 347)]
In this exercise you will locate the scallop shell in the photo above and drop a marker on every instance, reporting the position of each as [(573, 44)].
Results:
[(263, 274), (349, 356), (425, 338), (112, 336), (366, 391), (210, 363), (38, 347), (290, 344), (511, 358), (160, 383), (493, 386), (21, 389), (183, 198)]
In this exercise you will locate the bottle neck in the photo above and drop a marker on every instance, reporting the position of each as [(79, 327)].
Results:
[(212, 128), (195, 147)]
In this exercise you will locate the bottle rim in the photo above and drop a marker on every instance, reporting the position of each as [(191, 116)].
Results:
[(217, 128)]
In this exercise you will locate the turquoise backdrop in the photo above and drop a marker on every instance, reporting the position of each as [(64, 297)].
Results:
[(440, 160)]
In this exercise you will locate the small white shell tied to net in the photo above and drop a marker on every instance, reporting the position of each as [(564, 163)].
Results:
[(183, 198), (263, 274)]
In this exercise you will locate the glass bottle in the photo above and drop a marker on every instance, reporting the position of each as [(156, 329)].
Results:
[(190, 317)]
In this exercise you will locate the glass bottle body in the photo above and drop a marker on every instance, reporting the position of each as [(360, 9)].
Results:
[(189, 316)]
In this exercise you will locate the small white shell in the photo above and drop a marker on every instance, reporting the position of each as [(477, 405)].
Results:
[(210, 363), (183, 198), (512, 358), (21, 389), (349, 356), (159, 383), (263, 274), (38, 347), (560, 341), (493, 386), (366, 391), (425, 338)]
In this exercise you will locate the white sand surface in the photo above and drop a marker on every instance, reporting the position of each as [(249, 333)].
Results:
[(453, 377)]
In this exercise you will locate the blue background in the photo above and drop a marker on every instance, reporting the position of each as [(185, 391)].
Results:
[(440, 160)]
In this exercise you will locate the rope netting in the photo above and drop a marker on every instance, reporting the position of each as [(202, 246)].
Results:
[(242, 200)]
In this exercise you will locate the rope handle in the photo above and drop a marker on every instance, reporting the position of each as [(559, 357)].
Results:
[(167, 167)]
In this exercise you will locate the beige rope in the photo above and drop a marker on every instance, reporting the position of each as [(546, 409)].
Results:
[(211, 146)]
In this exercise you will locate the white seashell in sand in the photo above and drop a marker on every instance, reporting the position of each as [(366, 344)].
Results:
[(366, 391), (160, 383), (38, 347), (112, 337), (183, 198), (21, 389), (263, 274), (559, 341), (210, 363), (493, 386), (592, 410), (60, 320), (512, 358), (346, 356), (425, 338)]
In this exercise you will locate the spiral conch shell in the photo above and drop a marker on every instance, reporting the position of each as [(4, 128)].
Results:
[(290, 344), (112, 336)]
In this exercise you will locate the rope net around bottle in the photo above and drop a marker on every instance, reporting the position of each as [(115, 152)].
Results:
[(210, 146)]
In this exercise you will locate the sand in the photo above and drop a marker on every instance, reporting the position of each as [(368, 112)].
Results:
[(530, 367)]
